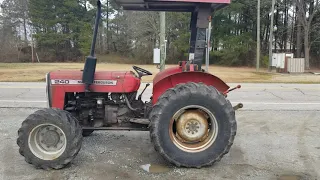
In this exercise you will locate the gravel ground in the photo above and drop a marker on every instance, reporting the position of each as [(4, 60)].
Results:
[(269, 145)]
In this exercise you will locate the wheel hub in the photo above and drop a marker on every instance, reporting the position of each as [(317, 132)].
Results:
[(47, 141), (192, 126), (50, 138)]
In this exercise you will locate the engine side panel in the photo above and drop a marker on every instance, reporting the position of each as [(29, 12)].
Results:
[(164, 81), (62, 82)]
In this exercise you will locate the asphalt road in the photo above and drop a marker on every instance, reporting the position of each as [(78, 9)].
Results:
[(278, 136)]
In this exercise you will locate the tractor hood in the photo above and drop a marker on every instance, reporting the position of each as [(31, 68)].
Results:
[(99, 75)]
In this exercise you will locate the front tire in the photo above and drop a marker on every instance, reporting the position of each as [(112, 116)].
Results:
[(86, 132), (49, 138), (192, 125)]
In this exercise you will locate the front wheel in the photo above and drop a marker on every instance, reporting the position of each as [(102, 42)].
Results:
[(87, 132), (49, 138), (192, 125)]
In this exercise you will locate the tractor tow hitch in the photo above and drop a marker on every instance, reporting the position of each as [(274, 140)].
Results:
[(232, 89), (238, 106)]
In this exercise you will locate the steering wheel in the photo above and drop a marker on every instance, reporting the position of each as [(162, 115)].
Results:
[(141, 72)]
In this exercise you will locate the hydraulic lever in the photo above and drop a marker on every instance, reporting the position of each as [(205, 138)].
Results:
[(139, 98)]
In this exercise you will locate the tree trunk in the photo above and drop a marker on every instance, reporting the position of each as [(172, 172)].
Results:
[(286, 19), (311, 8), (102, 39), (276, 18), (25, 31), (266, 40), (299, 44), (107, 32), (293, 32), (306, 49), (19, 54)]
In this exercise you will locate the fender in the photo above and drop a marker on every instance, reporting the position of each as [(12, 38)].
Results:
[(172, 76)]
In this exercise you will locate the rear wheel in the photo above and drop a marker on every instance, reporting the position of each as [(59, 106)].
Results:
[(49, 138), (192, 125)]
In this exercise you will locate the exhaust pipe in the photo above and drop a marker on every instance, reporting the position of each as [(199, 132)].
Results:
[(91, 60)]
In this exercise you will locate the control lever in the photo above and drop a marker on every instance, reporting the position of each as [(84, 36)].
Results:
[(139, 98)]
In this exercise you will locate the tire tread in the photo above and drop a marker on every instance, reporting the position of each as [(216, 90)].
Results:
[(64, 117), (189, 88)]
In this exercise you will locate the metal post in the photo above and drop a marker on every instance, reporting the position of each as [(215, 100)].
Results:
[(258, 37), (162, 40), (209, 42), (271, 34), (207, 49), (193, 38), (208, 45), (198, 40)]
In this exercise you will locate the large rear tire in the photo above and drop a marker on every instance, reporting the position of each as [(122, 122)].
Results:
[(192, 125), (49, 138)]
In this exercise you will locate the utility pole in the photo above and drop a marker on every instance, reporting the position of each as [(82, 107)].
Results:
[(271, 34), (162, 40), (258, 36)]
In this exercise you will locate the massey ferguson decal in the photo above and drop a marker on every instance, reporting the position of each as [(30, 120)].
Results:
[(96, 82)]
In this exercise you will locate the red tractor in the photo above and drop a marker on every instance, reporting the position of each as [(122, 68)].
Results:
[(191, 122)]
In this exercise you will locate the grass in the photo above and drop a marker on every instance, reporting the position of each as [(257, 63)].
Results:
[(28, 72)]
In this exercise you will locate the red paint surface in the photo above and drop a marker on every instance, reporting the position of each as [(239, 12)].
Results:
[(126, 82), (165, 73), (173, 76)]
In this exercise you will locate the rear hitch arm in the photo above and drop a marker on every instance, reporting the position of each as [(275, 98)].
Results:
[(232, 89), (238, 106)]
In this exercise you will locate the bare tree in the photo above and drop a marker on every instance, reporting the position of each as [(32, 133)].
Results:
[(305, 14), (14, 28)]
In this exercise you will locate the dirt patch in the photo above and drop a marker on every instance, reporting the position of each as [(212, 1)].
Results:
[(28, 72)]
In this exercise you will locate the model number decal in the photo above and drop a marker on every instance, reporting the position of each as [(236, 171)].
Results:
[(96, 82), (57, 81)]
